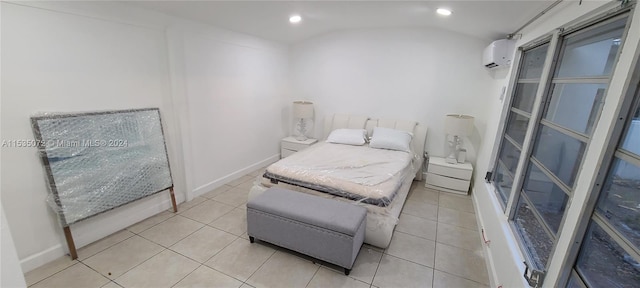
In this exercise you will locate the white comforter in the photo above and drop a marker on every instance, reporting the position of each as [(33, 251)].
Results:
[(360, 170)]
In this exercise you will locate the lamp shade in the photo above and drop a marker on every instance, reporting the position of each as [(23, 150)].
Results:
[(302, 109), (459, 125)]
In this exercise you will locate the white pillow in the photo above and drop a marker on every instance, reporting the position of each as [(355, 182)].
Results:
[(348, 136), (386, 138)]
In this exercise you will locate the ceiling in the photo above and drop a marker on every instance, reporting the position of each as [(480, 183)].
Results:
[(483, 19)]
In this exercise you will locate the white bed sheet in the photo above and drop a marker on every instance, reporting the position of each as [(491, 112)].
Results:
[(362, 173)]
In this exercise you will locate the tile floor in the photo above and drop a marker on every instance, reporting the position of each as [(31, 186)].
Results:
[(436, 244)]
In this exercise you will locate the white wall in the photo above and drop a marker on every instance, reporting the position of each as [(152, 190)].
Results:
[(412, 74), (81, 56), (503, 255), (237, 97), (59, 62), (10, 270)]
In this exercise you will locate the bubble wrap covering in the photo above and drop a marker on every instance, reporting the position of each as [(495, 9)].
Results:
[(95, 162)]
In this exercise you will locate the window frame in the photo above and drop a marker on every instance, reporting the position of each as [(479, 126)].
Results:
[(507, 112), (630, 102), (544, 88)]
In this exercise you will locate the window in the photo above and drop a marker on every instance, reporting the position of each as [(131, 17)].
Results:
[(569, 112), (610, 252), (518, 119), (554, 130)]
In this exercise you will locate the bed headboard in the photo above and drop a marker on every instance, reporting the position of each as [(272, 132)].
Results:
[(358, 122)]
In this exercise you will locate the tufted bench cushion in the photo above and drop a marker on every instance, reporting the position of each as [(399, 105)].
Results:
[(325, 229)]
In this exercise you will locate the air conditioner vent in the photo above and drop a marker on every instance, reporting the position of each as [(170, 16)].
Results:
[(498, 54)]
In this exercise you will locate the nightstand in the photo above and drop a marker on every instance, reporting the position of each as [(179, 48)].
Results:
[(290, 145), (443, 176)]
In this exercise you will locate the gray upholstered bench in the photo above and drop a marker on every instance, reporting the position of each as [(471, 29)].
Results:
[(325, 229)]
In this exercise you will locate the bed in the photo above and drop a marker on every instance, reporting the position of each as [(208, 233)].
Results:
[(377, 179)]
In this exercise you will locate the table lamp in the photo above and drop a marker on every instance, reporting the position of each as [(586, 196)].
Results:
[(302, 113), (457, 126)]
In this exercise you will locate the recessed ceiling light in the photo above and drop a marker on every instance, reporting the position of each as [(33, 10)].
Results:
[(443, 11), (295, 19)]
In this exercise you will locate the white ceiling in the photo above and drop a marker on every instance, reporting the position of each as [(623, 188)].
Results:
[(488, 20)]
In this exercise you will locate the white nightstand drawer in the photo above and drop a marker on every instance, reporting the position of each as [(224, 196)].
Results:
[(293, 146), (286, 152), (290, 145), (449, 171), (447, 182)]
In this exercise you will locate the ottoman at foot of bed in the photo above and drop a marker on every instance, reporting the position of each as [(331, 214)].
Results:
[(326, 229)]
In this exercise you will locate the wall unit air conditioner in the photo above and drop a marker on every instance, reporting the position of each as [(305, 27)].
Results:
[(498, 54)]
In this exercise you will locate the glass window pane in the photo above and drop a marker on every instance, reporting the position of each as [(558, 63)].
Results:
[(509, 155), (620, 199), (503, 183), (574, 282), (533, 61), (546, 196), (593, 52), (517, 127), (559, 153), (524, 96), (631, 140), (537, 242), (575, 106), (603, 263)]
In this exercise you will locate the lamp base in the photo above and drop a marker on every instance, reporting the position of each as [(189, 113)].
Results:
[(300, 130), (452, 148)]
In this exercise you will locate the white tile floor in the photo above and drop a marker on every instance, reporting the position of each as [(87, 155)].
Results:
[(436, 244)]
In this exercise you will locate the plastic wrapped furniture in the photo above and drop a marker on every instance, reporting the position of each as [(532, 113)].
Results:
[(98, 161), (383, 214)]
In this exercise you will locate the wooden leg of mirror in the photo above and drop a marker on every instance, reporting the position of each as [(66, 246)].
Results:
[(173, 200), (72, 246)]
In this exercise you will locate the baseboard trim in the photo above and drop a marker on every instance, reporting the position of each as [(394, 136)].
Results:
[(234, 175), (100, 226), (36, 260), (103, 225), (488, 259), (503, 258)]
